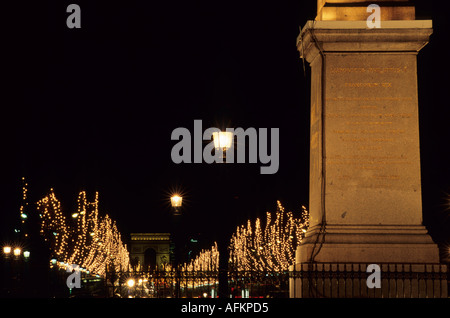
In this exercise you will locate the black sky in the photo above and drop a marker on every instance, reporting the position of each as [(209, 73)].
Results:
[(94, 108)]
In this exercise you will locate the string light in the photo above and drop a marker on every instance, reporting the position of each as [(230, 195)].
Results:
[(23, 211)]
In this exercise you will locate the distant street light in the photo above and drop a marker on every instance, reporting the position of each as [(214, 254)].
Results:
[(17, 251), (176, 202), (7, 250), (131, 282), (26, 254)]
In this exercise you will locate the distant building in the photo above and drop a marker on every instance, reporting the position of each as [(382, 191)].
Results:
[(150, 250)]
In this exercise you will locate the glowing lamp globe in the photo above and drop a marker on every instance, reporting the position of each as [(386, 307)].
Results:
[(176, 201), (17, 251), (131, 283), (222, 139), (7, 250)]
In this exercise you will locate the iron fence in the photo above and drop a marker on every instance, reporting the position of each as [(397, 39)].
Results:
[(326, 280), (193, 284), (397, 280)]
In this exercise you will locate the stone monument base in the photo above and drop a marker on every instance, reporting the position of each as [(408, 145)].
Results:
[(365, 197), (368, 244), (332, 262)]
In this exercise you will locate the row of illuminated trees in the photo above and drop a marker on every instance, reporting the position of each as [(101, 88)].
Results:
[(262, 245), (87, 239), (93, 241)]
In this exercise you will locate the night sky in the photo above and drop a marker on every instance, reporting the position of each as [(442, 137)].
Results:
[(94, 108)]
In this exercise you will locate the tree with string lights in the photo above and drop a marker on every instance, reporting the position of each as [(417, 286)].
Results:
[(268, 246), (91, 242), (207, 260)]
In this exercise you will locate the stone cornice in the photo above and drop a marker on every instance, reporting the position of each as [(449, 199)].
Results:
[(355, 36)]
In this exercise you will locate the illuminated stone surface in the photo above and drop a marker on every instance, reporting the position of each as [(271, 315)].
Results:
[(356, 10), (365, 185)]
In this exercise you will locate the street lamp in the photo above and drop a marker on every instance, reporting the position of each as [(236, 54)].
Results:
[(17, 251), (7, 251), (176, 202), (222, 139)]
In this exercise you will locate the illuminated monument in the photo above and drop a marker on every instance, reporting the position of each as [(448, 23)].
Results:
[(365, 185)]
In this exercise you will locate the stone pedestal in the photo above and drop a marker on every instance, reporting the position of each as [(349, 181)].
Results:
[(365, 185)]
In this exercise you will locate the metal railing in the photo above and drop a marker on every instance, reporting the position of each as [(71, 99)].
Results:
[(350, 280), (193, 284), (327, 280)]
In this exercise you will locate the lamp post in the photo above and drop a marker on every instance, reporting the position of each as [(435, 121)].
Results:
[(5, 278), (15, 271), (176, 201), (223, 140)]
